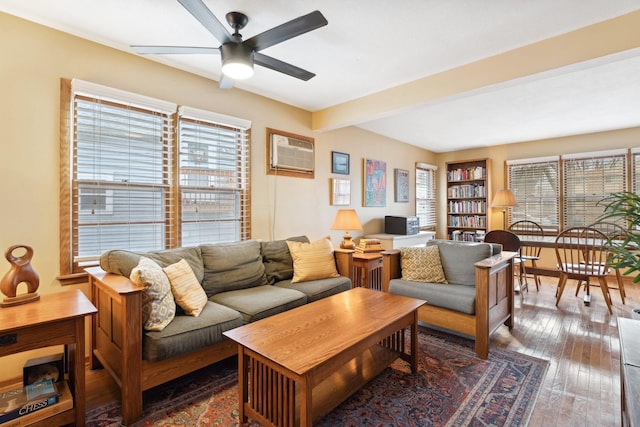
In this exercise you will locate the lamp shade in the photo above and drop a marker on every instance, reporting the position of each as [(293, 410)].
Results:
[(504, 199), (346, 219)]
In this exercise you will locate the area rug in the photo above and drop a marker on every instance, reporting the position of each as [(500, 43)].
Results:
[(452, 387)]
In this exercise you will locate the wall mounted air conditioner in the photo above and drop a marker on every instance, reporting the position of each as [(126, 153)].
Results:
[(291, 154)]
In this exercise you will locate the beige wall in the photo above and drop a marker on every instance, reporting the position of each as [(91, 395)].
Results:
[(34, 58)]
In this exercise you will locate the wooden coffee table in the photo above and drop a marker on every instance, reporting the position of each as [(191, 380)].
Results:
[(296, 366)]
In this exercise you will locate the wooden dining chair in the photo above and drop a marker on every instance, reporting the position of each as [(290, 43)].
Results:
[(612, 231), (581, 254), (526, 229), (510, 242)]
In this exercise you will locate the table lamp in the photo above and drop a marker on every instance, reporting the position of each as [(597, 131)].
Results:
[(346, 220), (504, 199)]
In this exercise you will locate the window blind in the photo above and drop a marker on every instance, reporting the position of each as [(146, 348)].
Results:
[(426, 206), (588, 178), (121, 178), (635, 170), (214, 186), (535, 184)]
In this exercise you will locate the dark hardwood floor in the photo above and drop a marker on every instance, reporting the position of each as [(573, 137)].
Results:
[(582, 385)]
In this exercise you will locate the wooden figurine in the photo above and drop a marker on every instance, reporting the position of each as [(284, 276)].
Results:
[(20, 271)]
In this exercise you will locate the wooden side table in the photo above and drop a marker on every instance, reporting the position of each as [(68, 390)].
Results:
[(367, 270), (55, 319)]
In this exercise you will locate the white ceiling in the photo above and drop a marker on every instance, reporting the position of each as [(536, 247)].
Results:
[(373, 45)]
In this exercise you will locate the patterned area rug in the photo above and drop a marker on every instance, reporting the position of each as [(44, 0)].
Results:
[(451, 388)]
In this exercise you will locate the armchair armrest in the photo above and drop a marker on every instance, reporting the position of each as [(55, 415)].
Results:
[(391, 267)]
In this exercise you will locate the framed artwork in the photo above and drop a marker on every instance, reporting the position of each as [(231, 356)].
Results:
[(340, 192), (339, 163), (375, 183), (402, 185)]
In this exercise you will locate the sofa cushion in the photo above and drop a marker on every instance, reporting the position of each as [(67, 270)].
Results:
[(422, 264), (458, 258), (460, 298), (122, 262), (318, 289), (230, 266), (261, 301), (158, 305), (186, 289), (188, 333), (277, 260), (312, 261)]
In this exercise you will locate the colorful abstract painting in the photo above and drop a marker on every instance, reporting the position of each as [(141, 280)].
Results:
[(375, 183)]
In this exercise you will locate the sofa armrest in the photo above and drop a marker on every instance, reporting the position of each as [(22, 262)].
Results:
[(116, 337), (344, 261)]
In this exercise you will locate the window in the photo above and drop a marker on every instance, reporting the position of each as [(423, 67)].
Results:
[(588, 178), (426, 207), (131, 181), (214, 167), (563, 192), (535, 183)]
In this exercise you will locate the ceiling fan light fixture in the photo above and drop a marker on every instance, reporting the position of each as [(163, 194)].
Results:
[(237, 61)]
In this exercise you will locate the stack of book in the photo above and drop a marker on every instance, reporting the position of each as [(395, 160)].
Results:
[(369, 245), (25, 405)]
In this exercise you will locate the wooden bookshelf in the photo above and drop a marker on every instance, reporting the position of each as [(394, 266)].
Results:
[(468, 199)]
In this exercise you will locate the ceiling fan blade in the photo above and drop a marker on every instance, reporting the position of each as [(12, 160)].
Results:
[(202, 13), (225, 82), (287, 31), (281, 66), (173, 50)]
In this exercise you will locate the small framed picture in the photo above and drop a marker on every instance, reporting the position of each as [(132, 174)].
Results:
[(339, 163), (402, 185), (340, 192)]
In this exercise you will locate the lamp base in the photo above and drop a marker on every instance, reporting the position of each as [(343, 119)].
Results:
[(347, 243)]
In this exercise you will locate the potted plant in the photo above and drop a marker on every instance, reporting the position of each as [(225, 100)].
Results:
[(624, 208)]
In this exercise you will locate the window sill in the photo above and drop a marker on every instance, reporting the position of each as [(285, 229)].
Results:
[(73, 279)]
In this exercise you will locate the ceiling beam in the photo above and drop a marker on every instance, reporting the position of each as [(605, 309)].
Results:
[(595, 41)]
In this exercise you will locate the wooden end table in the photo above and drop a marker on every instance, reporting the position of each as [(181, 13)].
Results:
[(295, 367), (55, 319), (367, 270)]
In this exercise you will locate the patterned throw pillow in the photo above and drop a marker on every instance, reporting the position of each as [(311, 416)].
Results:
[(186, 289), (312, 261), (158, 305), (422, 264)]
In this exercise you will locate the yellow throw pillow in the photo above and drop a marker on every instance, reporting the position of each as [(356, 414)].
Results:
[(312, 261), (158, 306), (186, 289), (422, 264)]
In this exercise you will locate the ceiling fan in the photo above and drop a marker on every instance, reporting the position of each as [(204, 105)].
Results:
[(238, 56)]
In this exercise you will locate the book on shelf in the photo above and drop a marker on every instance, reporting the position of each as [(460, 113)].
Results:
[(20, 401), (65, 402), (369, 245)]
